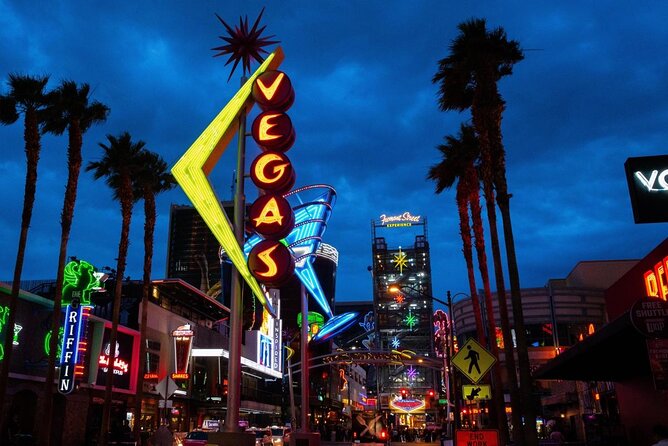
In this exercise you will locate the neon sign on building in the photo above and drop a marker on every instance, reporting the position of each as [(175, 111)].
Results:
[(656, 280), (79, 281), (405, 219), (183, 342)]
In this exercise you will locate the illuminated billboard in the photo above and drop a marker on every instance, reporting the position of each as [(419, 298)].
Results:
[(647, 178)]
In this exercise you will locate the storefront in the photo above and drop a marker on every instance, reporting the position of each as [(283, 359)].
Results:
[(619, 352)]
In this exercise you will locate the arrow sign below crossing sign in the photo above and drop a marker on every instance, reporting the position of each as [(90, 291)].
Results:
[(473, 360)]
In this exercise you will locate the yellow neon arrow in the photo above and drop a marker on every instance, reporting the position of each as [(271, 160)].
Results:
[(192, 170)]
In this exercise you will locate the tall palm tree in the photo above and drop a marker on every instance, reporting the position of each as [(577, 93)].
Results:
[(71, 109), (478, 231), (119, 165), (468, 78), (457, 165), (460, 154), (26, 96), (152, 179)]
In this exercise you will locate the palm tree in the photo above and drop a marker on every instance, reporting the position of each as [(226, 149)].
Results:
[(119, 165), (26, 96), (153, 178), (458, 166), (459, 155), (468, 78), (69, 109)]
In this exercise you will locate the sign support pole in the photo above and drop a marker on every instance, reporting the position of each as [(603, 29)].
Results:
[(236, 304), (304, 360)]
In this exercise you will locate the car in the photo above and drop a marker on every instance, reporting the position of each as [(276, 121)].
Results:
[(196, 438), (280, 435), (259, 434)]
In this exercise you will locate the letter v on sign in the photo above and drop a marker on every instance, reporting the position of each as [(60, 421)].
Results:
[(270, 91), (192, 170)]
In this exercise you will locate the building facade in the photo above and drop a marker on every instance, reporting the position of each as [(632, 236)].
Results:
[(403, 312), (556, 316)]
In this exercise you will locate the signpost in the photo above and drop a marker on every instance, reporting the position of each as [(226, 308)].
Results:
[(473, 360)]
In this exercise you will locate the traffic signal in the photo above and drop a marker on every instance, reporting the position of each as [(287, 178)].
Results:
[(430, 393), (404, 393)]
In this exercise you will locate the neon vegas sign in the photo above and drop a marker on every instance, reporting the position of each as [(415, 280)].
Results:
[(405, 219)]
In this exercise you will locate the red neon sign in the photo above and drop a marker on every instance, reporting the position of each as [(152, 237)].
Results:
[(150, 376), (271, 216), (656, 280), (273, 131), (272, 171), (180, 375), (271, 262), (273, 90)]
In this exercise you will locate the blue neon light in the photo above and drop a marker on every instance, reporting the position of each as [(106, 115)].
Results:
[(69, 356), (310, 223), (335, 325)]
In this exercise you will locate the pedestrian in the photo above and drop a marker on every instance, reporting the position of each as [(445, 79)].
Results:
[(267, 440), (660, 433), (557, 436), (163, 436)]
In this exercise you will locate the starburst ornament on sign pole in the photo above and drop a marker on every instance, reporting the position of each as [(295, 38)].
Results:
[(411, 373), (243, 44)]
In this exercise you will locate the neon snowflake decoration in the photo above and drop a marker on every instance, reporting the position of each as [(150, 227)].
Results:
[(400, 261), (411, 373), (410, 320), (395, 342), (399, 298)]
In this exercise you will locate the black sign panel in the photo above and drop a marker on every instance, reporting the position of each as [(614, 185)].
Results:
[(647, 178), (650, 317)]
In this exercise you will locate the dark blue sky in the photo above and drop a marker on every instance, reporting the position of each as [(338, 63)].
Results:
[(591, 92)]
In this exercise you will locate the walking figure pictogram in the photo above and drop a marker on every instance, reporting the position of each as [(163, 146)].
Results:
[(473, 357)]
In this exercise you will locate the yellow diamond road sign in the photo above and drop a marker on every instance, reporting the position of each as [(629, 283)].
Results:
[(473, 360)]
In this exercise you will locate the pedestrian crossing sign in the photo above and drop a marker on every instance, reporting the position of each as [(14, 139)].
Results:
[(473, 360)]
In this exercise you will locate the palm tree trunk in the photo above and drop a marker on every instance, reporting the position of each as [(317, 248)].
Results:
[(126, 212), (526, 383), (149, 227), (465, 230), (508, 349), (32, 149), (476, 214), (495, 112), (74, 167)]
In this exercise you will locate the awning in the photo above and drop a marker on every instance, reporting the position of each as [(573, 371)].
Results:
[(191, 297), (616, 352)]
